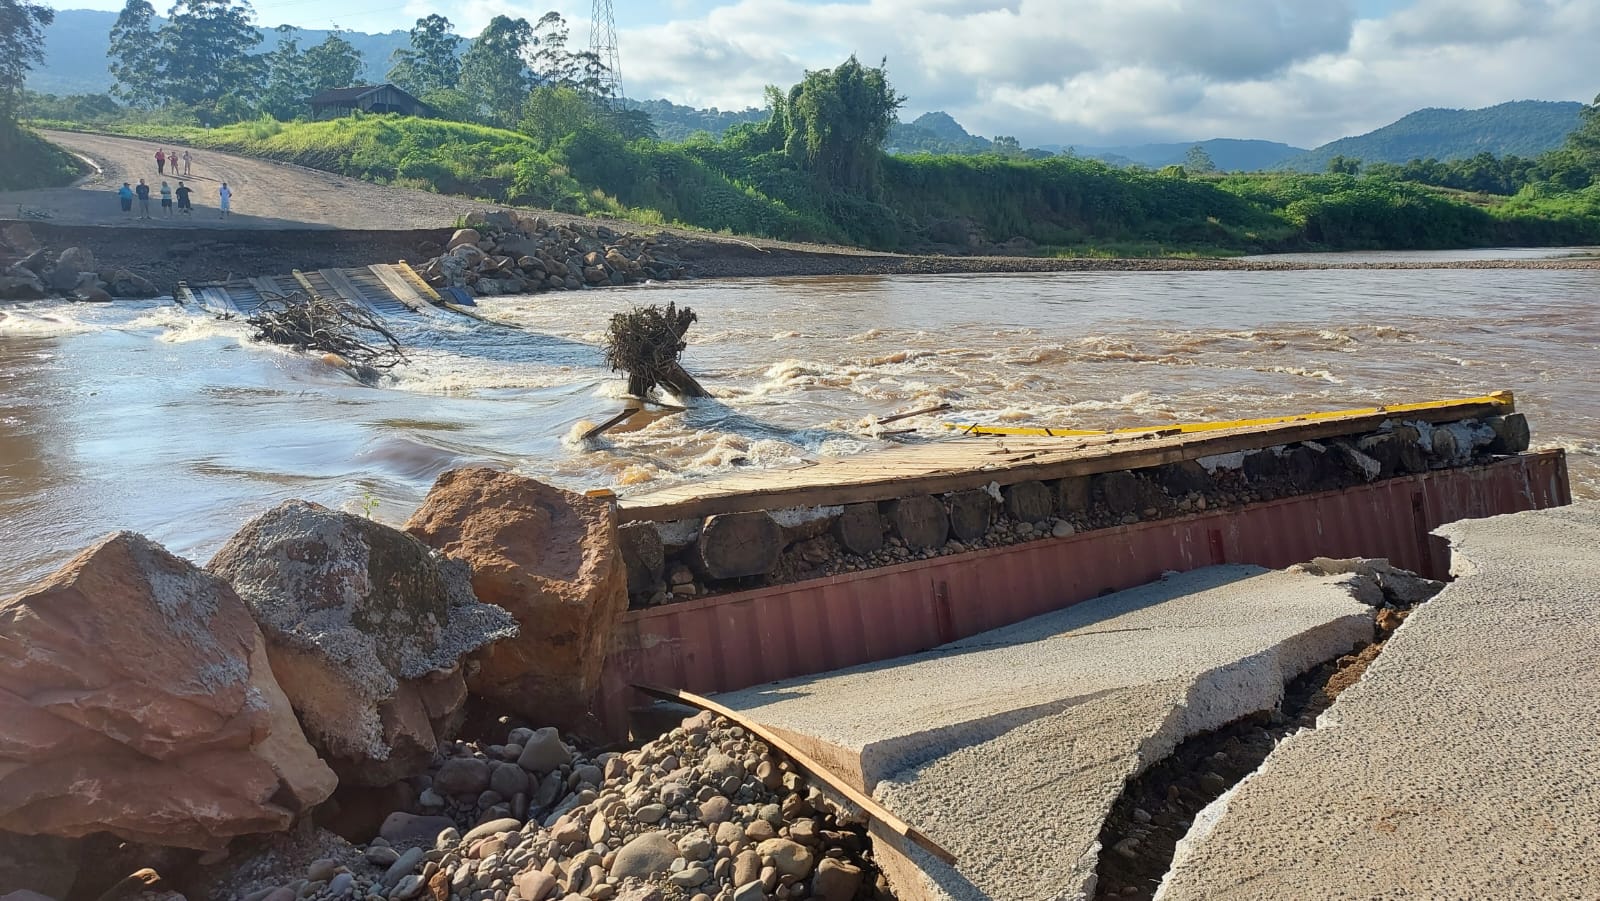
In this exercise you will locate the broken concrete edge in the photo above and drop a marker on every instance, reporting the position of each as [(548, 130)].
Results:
[(916, 874), (1212, 814), (821, 541)]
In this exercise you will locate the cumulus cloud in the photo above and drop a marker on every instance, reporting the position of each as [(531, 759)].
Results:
[(1100, 71)]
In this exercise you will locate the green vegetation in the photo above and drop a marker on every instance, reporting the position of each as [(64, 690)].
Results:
[(525, 121), (1522, 128), (28, 161)]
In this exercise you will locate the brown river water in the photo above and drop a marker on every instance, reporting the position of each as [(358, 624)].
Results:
[(152, 417)]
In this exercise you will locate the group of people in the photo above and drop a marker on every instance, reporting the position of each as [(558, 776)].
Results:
[(165, 159), (128, 194)]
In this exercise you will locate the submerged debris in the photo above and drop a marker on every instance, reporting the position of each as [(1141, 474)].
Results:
[(330, 326), (645, 343)]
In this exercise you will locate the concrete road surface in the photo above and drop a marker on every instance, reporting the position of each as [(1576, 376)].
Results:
[(1010, 747), (1464, 764)]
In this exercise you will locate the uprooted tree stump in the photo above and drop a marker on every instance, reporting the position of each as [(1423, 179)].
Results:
[(329, 326), (645, 343)]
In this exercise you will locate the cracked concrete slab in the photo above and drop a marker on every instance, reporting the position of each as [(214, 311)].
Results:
[(1010, 747), (1463, 763)]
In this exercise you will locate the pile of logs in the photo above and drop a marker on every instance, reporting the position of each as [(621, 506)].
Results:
[(508, 252)]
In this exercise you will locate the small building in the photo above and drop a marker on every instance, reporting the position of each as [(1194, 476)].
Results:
[(368, 98)]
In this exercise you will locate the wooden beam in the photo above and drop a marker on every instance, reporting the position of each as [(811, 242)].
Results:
[(884, 476), (397, 286), (417, 281), (345, 287), (305, 284), (869, 806)]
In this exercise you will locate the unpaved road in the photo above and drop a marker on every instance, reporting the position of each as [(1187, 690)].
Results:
[(266, 195)]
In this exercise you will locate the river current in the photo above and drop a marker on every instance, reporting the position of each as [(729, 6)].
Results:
[(161, 419)]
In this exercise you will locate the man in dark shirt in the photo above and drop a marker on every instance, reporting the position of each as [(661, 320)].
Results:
[(183, 200), (143, 193)]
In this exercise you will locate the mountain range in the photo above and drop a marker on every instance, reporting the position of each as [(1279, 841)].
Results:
[(1522, 127)]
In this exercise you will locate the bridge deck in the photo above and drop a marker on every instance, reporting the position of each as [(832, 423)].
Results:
[(969, 461)]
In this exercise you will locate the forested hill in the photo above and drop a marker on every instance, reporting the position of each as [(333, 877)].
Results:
[(1228, 154), (75, 59), (1524, 128)]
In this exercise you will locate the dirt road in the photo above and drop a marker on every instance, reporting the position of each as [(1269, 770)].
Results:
[(266, 195)]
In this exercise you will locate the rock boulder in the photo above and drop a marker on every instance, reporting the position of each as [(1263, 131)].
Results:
[(366, 629), (139, 674), (549, 556)]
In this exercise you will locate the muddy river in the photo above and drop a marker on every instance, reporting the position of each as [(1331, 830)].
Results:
[(152, 417)]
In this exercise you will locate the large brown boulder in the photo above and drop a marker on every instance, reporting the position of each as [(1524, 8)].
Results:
[(549, 556), (366, 629), (137, 699)]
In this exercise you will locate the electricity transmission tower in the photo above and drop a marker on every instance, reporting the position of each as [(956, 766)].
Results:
[(603, 44)]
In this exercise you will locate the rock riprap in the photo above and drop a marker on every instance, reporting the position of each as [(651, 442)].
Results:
[(705, 811), (366, 629), (137, 699), (510, 252), (550, 557)]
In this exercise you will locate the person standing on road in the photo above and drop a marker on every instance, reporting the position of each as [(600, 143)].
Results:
[(183, 200), (186, 161), (125, 195), (143, 192), (166, 200), (225, 194), (161, 161)]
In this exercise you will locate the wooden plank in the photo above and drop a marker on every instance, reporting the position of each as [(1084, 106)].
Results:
[(305, 284), (1045, 458), (1187, 427), (267, 286), (342, 284), (869, 806), (398, 286), (217, 298), (417, 281)]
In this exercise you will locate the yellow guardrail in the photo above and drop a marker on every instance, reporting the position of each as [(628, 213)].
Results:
[(1503, 399)]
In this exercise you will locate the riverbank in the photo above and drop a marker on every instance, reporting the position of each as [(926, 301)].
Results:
[(167, 254)]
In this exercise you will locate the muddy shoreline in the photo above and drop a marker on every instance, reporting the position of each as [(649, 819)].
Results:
[(169, 255)]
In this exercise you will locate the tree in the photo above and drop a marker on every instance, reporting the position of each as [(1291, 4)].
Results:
[(135, 60), (432, 63), (21, 48), (286, 76), (1198, 160), (834, 123), (205, 48), (552, 112), (334, 63), (495, 68), (1344, 165), (1006, 146), (1584, 141)]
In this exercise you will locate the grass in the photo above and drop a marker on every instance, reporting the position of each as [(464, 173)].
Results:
[(33, 162)]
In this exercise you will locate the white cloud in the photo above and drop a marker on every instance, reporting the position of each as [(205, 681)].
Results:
[(1098, 71)]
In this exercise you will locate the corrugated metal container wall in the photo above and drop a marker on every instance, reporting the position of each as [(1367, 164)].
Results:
[(737, 640)]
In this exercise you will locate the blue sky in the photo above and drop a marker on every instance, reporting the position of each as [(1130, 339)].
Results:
[(1080, 71)]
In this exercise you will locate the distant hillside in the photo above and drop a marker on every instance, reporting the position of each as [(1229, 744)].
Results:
[(75, 45), (935, 132), (1229, 154), (1521, 127), (676, 123)]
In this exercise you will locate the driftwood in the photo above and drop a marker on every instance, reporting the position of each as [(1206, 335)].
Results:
[(329, 326), (645, 343)]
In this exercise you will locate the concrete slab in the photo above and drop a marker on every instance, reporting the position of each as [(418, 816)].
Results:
[(1010, 747), (1462, 765)]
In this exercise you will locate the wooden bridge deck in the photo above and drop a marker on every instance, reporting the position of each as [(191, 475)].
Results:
[(968, 461)]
